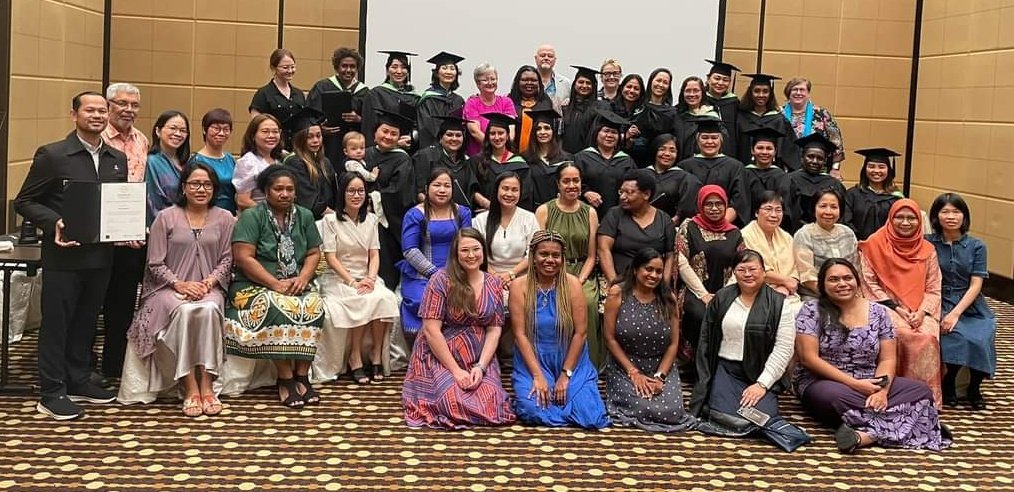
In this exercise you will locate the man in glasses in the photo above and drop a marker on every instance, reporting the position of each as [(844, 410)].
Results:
[(74, 275), (128, 258)]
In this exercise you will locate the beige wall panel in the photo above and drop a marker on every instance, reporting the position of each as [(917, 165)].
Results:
[(932, 42), (741, 30), (16, 173), (820, 34), (1001, 141), (858, 36), (214, 70), (1000, 178), (24, 54), (1003, 105), (341, 14), (172, 35), (892, 73), (923, 168), (22, 139), (215, 38), (172, 68), (1005, 35), (743, 6), (1004, 74), (785, 7), (985, 30), (304, 13), (894, 38), (975, 145), (183, 9), (783, 32), (998, 218), (890, 103), (256, 40), (925, 137), (131, 65), (161, 98), (255, 11)]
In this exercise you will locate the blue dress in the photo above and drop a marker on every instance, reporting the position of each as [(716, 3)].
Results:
[(972, 343), (584, 406), (425, 254)]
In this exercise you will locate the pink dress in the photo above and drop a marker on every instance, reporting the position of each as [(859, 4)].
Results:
[(475, 108)]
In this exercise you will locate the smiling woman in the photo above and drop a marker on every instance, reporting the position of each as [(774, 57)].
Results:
[(279, 97)]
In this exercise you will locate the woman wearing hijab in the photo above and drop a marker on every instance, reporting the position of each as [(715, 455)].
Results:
[(900, 271)]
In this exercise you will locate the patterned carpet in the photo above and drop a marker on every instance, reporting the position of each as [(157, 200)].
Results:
[(356, 440)]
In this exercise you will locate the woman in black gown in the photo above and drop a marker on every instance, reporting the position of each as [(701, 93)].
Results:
[(544, 156), (677, 189), (758, 108), (867, 203), (439, 99), (603, 164), (396, 94), (579, 110)]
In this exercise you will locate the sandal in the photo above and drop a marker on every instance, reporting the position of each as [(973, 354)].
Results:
[(377, 375), (359, 375), (847, 439), (192, 406), (294, 400), (212, 406), (310, 397)]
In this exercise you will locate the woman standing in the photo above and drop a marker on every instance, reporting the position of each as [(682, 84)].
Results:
[(426, 236), (170, 150), (765, 236), (634, 225), (811, 179), (315, 178), (345, 62), (544, 156), (689, 106), (177, 332), (279, 97), (846, 374), (713, 167), (758, 108), (762, 175), (395, 92), (527, 93), (274, 312), (968, 326), (449, 153), (261, 148), (610, 71), (453, 379), (440, 99), (507, 229), (642, 332), (603, 164), (901, 271), (554, 380), (660, 87), (356, 300), (216, 126), (631, 97), (806, 118), (486, 101), (676, 189), (497, 156), (822, 240), (579, 110), (576, 222), (867, 203)]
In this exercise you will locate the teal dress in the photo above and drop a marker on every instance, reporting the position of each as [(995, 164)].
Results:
[(584, 406), (224, 167)]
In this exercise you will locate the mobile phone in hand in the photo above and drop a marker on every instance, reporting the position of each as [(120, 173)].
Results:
[(882, 380)]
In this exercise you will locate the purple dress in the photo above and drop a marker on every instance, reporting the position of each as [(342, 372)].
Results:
[(910, 420)]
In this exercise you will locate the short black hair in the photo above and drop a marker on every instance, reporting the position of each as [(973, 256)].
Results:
[(645, 180), (75, 103), (771, 196), (746, 255), (269, 175), (957, 202), (181, 198)]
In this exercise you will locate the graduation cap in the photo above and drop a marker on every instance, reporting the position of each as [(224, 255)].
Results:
[(655, 119), (589, 73), (547, 115), (303, 118), (708, 124), (395, 119), (879, 154), (762, 79), (445, 58), (451, 122), (500, 120), (609, 119), (722, 67), (818, 140), (397, 55), (765, 133)]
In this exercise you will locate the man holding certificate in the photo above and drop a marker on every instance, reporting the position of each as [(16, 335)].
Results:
[(75, 273)]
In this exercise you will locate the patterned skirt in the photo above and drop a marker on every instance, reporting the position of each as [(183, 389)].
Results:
[(263, 324)]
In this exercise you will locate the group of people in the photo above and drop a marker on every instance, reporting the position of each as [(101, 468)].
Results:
[(517, 229)]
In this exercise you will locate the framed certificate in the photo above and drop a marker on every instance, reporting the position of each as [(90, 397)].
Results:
[(104, 212)]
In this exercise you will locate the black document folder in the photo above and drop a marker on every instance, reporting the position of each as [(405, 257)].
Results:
[(335, 104)]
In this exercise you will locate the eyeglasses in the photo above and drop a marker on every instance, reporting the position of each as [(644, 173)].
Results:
[(355, 192), (750, 270), (176, 129), (269, 131), (771, 210), (906, 218), (611, 75), (224, 129), (125, 104), (714, 205), (197, 185)]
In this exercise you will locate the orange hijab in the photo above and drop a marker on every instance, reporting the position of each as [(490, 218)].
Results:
[(899, 262)]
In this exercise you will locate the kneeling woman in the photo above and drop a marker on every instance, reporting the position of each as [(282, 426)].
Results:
[(177, 332), (453, 380), (642, 334), (746, 343), (846, 375), (554, 380), (273, 313)]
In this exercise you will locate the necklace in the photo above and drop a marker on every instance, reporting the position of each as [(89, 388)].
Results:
[(543, 296)]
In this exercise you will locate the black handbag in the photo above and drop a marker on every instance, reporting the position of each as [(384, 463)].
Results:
[(785, 434)]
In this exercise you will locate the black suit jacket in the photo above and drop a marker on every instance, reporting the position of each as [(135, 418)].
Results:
[(41, 197)]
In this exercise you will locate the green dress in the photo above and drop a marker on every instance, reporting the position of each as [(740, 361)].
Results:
[(574, 227), (261, 323)]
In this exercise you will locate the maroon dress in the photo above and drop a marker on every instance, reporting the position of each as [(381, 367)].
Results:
[(431, 396)]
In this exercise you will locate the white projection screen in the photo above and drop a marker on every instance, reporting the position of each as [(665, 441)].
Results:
[(648, 34)]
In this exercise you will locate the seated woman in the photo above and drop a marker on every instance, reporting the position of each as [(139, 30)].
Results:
[(746, 343), (634, 225), (846, 373), (815, 243), (453, 379), (642, 332), (555, 382), (900, 271), (426, 235), (764, 236), (177, 331), (968, 328), (262, 147), (274, 312), (357, 302)]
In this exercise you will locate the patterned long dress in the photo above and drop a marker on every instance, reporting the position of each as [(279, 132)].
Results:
[(431, 396), (910, 421)]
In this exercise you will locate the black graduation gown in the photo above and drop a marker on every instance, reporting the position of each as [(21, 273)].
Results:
[(434, 102), (866, 210), (652, 120), (786, 151), (727, 108), (542, 178), (771, 178), (603, 176), (676, 193), (686, 136), (316, 195), (726, 172), (516, 164), (802, 187), (333, 142), (575, 128), (464, 181), (383, 96), (394, 182)]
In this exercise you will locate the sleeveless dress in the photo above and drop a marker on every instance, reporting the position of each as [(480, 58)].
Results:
[(574, 227), (584, 406), (644, 336)]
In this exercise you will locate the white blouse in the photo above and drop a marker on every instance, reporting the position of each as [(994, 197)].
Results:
[(733, 326), (510, 245)]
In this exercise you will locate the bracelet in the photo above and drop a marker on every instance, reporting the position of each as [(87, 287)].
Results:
[(351, 283), (480, 367), (512, 275)]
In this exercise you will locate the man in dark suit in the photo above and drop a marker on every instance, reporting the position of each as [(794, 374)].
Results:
[(74, 275)]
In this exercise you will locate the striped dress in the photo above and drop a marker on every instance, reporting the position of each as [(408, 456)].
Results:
[(431, 397)]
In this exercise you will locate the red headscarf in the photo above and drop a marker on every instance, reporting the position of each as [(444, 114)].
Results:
[(702, 220), (899, 262)]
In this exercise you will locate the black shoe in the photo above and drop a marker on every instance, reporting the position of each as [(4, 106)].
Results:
[(60, 408), (946, 432), (977, 402), (847, 439), (91, 393), (950, 400), (98, 379)]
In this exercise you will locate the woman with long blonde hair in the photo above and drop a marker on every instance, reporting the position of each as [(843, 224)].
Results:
[(555, 382)]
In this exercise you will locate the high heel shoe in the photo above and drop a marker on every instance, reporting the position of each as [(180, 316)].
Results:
[(293, 400), (310, 397)]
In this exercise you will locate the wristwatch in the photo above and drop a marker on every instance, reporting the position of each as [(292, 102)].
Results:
[(659, 375), (568, 372), (512, 275)]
